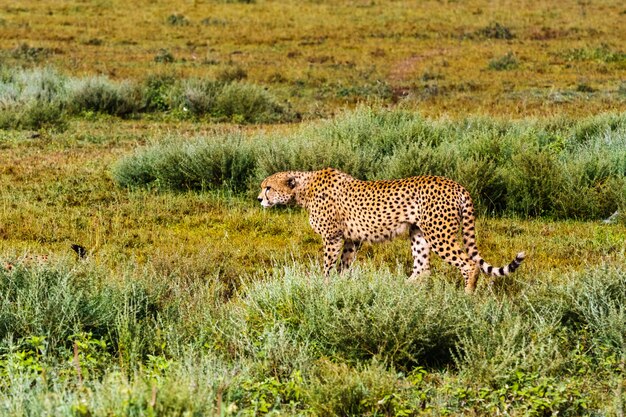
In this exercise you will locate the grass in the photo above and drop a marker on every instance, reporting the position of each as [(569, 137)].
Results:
[(559, 168), (371, 344), (199, 293), (142, 136), (319, 57), (40, 98)]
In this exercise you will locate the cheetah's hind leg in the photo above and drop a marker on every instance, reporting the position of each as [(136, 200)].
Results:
[(420, 249), (350, 248)]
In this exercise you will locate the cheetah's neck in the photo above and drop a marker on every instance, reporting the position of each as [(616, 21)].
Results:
[(302, 192)]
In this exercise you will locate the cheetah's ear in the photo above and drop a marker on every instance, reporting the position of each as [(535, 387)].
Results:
[(291, 182)]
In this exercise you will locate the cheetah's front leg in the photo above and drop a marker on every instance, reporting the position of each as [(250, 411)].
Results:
[(332, 247)]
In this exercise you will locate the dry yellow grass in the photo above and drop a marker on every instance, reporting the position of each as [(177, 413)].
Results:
[(320, 54)]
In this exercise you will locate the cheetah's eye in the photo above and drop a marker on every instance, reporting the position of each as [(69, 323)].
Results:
[(268, 188)]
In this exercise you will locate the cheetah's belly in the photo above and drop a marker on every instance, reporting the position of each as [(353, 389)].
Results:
[(374, 232)]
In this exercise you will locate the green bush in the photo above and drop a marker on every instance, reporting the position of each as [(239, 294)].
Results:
[(228, 162), (100, 95), (32, 99), (248, 103), (198, 96)]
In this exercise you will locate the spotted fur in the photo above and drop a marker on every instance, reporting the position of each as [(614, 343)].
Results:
[(346, 212)]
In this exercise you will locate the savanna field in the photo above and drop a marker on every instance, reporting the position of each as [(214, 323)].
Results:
[(141, 132)]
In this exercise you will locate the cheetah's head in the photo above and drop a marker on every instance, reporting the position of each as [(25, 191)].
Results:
[(279, 188)]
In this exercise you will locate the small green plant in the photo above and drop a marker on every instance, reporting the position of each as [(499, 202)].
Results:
[(526, 393), (260, 397), (87, 356), (496, 30), (164, 56), (27, 359), (177, 20), (504, 63)]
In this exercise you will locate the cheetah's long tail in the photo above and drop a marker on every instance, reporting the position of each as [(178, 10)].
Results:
[(469, 241), (504, 270)]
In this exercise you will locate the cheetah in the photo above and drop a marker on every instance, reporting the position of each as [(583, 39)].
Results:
[(346, 212)]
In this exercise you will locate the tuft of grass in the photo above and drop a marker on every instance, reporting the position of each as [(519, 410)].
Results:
[(495, 30), (100, 95), (504, 63), (177, 20), (32, 99)]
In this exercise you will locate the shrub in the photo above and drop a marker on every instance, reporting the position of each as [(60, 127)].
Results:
[(227, 162), (100, 95), (54, 303), (164, 56), (199, 96), (531, 181), (230, 74), (177, 20), (340, 390), (360, 318), (41, 98), (31, 53), (249, 103), (32, 99)]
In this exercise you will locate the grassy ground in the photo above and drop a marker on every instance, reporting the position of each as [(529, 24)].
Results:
[(192, 300), (440, 57), (59, 190), (187, 295)]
